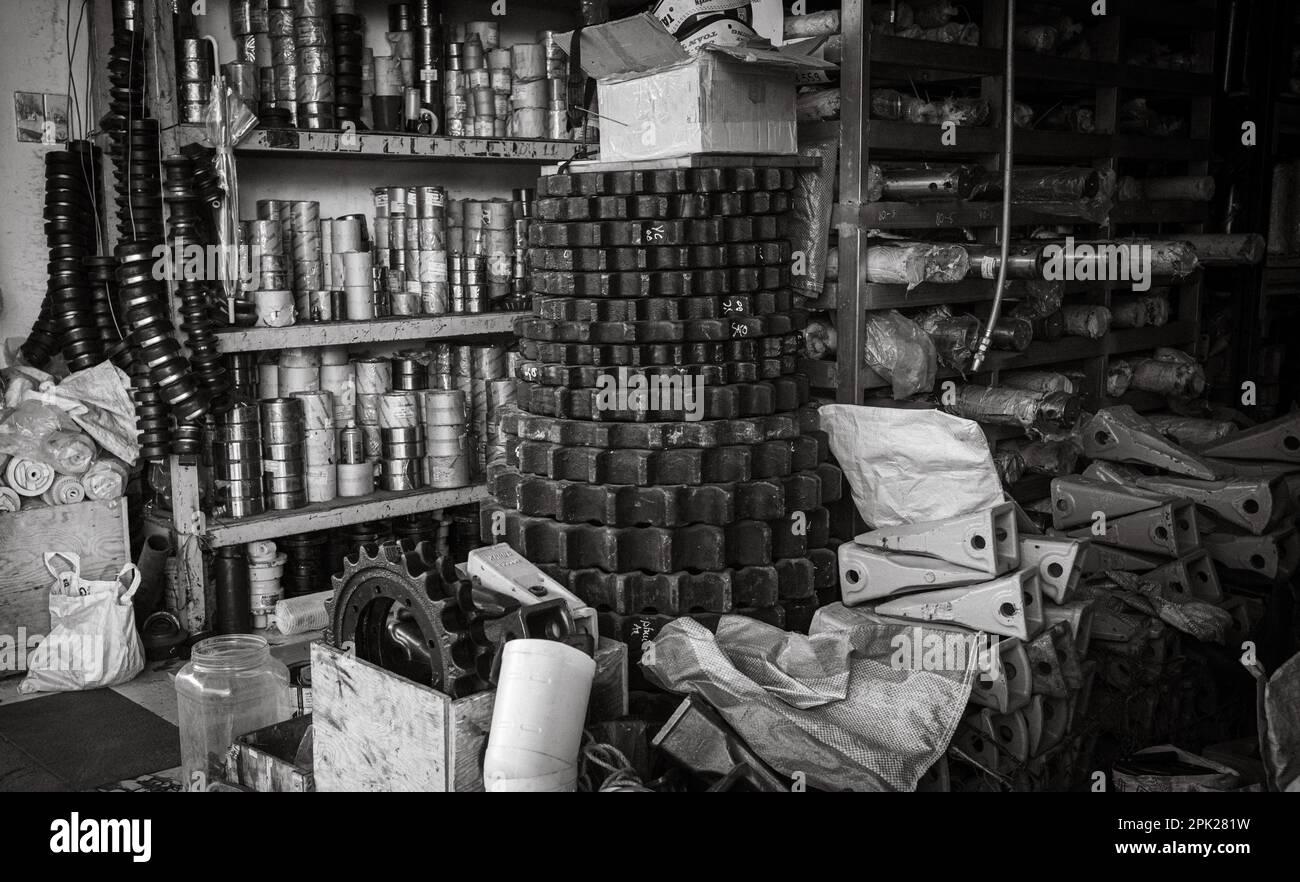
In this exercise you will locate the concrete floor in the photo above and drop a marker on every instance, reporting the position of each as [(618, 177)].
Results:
[(155, 691)]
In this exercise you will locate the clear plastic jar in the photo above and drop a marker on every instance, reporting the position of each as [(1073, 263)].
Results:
[(231, 686)]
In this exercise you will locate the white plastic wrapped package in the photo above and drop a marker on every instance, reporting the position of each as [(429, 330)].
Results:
[(901, 352), (831, 705), (906, 466), (96, 400)]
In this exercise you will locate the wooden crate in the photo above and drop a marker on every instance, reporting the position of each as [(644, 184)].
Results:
[(97, 531), (276, 759), (375, 731)]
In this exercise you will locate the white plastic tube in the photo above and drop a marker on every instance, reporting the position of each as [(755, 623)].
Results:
[(537, 719)]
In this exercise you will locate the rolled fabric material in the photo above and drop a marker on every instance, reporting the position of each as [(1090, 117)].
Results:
[(1119, 376), (900, 351), (1039, 381), (1223, 249), (1167, 377), (66, 490), (1182, 188), (298, 615), (946, 264), (275, 309), (72, 452), (105, 479), (955, 337), (896, 264), (1010, 467), (10, 501), (816, 24), (1046, 457), (1279, 209), (1127, 312), (1191, 431), (820, 339), (28, 477), (1158, 308), (1086, 320), (1037, 184), (1015, 407), (1036, 38)]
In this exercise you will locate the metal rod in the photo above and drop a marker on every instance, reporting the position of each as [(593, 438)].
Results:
[(1008, 129)]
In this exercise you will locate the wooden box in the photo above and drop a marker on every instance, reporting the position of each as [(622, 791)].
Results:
[(97, 531), (376, 731), (276, 759)]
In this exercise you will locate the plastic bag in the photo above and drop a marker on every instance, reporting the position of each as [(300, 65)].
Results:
[(902, 353), (96, 400), (92, 640), (44, 434), (831, 704)]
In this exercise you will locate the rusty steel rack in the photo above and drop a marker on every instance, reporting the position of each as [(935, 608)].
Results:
[(871, 58)]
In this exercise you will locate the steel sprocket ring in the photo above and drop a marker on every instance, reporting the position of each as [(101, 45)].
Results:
[(397, 608)]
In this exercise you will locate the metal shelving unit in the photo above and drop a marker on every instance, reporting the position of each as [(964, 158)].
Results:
[(868, 57)]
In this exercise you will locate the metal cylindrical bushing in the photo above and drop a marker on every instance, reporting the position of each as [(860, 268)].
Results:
[(441, 407), (398, 410), (374, 376), (355, 479), (401, 474)]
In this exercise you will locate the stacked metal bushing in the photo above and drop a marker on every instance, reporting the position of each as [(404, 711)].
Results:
[(557, 84), (241, 369), (307, 563), (401, 464), (249, 26), (482, 235), (194, 78), (313, 41), (188, 231), (663, 460), (448, 452), (237, 462), (308, 254), (71, 232), (283, 435), (320, 445), (373, 377), (428, 61), (349, 51), (282, 89), (519, 298)]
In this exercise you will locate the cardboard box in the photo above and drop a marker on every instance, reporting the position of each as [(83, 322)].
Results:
[(657, 100)]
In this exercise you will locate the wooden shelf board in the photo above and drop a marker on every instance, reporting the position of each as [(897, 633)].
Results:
[(393, 146), (338, 513), (311, 334)]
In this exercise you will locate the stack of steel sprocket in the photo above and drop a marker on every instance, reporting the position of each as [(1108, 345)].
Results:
[(698, 503)]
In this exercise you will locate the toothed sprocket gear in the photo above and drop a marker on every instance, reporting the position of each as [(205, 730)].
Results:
[(398, 608)]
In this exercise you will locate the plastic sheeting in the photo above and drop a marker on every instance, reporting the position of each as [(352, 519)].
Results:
[(900, 351), (906, 466), (831, 705), (97, 400), (810, 206)]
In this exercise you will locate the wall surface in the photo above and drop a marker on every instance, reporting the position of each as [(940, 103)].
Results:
[(34, 60)]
